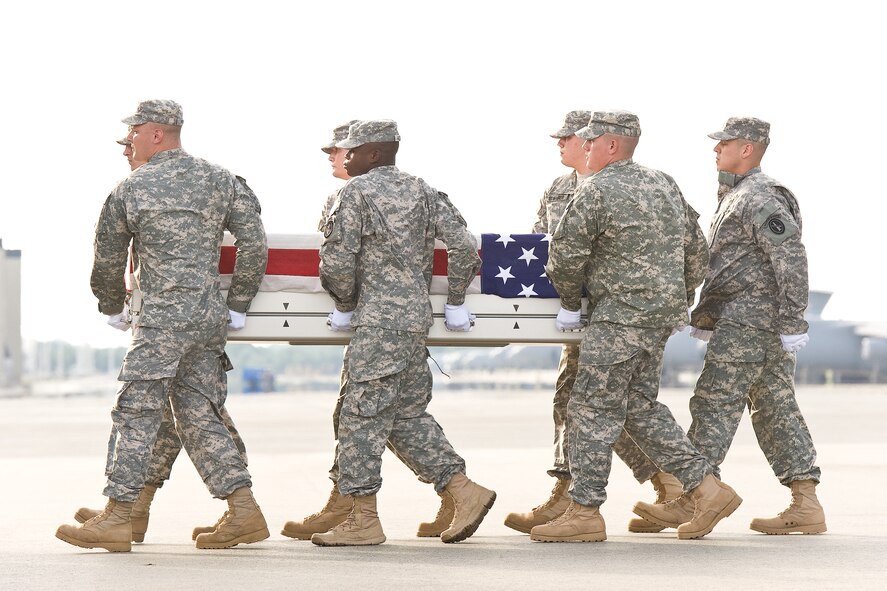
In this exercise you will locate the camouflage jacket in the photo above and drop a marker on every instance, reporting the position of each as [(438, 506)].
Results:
[(175, 210), (758, 272), (632, 239), (378, 250), (554, 202), (327, 207)]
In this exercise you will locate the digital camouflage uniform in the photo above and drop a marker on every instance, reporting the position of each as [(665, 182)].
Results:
[(551, 207), (634, 242), (756, 289), (168, 444), (376, 260), (175, 209)]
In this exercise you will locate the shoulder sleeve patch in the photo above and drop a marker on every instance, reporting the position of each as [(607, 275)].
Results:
[(774, 224)]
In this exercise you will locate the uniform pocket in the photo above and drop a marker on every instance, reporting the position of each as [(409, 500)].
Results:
[(374, 354), (370, 399), (733, 343)]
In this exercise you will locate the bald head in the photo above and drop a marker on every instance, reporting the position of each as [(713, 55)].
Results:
[(150, 138), (608, 148)]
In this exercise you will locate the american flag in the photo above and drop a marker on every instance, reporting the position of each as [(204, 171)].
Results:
[(512, 265)]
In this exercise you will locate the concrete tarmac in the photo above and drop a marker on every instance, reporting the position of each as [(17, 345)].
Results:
[(52, 459)]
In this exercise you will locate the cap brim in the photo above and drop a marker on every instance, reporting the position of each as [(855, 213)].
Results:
[(134, 120), (123, 142), (722, 135), (563, 132)]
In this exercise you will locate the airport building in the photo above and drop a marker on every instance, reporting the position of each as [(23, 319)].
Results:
[(10, 321)]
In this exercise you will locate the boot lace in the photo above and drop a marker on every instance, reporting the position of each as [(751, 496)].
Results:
[(350, 521), (223, 519), (555, 495), (442, 511), (660, 492), (794, 504), (105, 513), (565, 515), (329, 505)]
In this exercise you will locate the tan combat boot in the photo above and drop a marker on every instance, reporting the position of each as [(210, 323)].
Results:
[(669, 514), (110, 529), (361, 528), (714, 501), (579, 523), (804, 515), (333, 513), (667, 488), (443, 520), (138, 517), (243, 523), (472, 503), (554, 507)]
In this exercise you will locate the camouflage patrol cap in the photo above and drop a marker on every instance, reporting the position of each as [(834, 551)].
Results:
[(124, 141), (369, 132), (339, 134), (157, 111), (748, 128), (573, 122), (612, 122)]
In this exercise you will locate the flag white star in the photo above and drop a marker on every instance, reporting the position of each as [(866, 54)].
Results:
[(528, 255), (546, 238), (504, 274), (505, 239), (544, 276), (527, 290)]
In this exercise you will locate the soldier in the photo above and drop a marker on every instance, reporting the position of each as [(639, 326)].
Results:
[(167, 445), (336, 156), (630, 238), (337, 507), (551, 208), (127, 152), (175, 209), (751, 312), (376, 262)]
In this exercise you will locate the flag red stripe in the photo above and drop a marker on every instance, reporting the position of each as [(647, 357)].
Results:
[(302, 262)]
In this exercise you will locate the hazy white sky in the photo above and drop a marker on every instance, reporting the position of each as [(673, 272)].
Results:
[(475, 86)]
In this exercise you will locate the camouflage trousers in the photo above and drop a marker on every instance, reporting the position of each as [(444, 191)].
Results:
[(615, 391), (386, 400), (627, 450), (747, 368), (343, 388), (187, 371), (168, 445)]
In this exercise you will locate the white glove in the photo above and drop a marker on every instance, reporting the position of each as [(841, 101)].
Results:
[(794, 342), (236, 320), (119, 321), (701, 334), (339, 321), (458, 318), (568, 321)]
